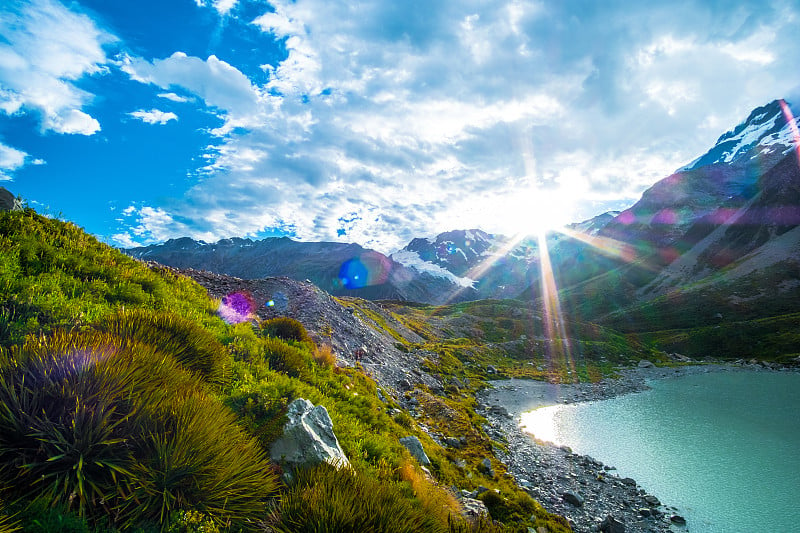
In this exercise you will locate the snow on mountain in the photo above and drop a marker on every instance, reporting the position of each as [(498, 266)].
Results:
[(593, 226), (767, 130), (411, 259)]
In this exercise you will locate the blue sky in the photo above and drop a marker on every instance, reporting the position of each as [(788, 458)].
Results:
[(371, 121)]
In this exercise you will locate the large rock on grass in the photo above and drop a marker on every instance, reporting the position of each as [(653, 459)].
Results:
[(308, 438), (417, 451), (7, 200)]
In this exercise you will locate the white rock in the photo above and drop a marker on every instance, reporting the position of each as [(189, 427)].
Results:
[(308, 438)]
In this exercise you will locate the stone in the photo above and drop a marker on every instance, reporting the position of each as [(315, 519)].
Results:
[(677, 519), (485, 466), (414, 446), (644, 363), (644, 511), (628, 481), (308, 438), (472, 508), (7, 200), (574, 498), (452, 442), (652, 500), (612, 525)]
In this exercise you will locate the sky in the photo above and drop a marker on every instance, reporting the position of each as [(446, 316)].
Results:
[(372, 121)]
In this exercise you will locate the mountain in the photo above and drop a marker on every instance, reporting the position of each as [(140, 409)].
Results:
[(340, 269), (717, 223), (712, 257)]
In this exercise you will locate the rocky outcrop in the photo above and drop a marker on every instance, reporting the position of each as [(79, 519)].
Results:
[(308, 438), (7, 200), (417, 451)]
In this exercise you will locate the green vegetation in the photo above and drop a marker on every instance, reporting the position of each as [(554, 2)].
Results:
[(127, 404)]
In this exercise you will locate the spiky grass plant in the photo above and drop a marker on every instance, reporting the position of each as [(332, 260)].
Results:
[(194, 347), (286, 328), (117, 429), (198, 458), (62, 421), (285, 358), (324, 500), (7, 523)]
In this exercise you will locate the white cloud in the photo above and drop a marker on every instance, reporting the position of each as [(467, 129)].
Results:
[(218, 83), (174, 97), (415, 117), (223, 7), (154, 116), (45, 50), (12, 159)]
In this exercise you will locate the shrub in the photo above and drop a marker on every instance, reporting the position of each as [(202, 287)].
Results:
[(324, 357), (285, 358), (285, 328), (324, 500), (194, 347), (199, 459), (41, 516), (114, 428)]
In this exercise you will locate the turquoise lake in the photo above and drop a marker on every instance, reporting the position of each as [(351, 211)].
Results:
[(723, 447)]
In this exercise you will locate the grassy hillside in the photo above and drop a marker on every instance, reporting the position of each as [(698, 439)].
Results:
[(126, 403)]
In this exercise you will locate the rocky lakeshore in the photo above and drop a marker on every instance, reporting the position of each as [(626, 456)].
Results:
[(578, 487)]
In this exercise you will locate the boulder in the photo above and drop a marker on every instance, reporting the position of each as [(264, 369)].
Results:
[(644, 363), (7, 200), (678, 519), (485, 466), (308, 438), (652, 500), (612, 525), (472, 508), (574, 498), (417, 451)]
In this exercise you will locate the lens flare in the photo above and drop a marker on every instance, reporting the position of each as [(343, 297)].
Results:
[(558, 347), (369, 268), (236, 307), (787, 113)]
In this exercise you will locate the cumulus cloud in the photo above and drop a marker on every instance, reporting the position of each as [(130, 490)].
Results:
[(45, 50), (408, 118), (11, 160), (154, 116)]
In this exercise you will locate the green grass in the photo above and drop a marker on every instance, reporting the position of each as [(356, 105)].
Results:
[(127, 404)]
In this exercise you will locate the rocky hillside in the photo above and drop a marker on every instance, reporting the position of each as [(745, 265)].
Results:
[(339, 269)]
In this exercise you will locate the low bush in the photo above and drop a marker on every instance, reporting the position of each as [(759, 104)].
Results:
[(112, 428), (323, 356), (285, 358), (286, 328), (194, 347), (324, 500)]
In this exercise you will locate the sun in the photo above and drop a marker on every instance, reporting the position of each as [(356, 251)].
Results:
[(539, 211)]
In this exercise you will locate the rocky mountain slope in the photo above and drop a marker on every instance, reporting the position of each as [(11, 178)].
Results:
[(340, 269), (710, 230)]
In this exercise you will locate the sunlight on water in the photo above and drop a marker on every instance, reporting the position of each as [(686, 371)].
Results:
[(542, 423), (723, 447)]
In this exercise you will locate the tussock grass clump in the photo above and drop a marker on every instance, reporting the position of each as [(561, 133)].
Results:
[(324, 500), (286, 328), (285, 358), (113, 428), (194, 347), (323, 356)]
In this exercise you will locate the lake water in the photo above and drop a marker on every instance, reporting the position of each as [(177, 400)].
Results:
[(723, 447)]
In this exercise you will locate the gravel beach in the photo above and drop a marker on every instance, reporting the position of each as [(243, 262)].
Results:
[(578, 487)]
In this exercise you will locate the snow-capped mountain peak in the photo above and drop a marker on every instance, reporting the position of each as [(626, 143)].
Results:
[(767, 130)]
